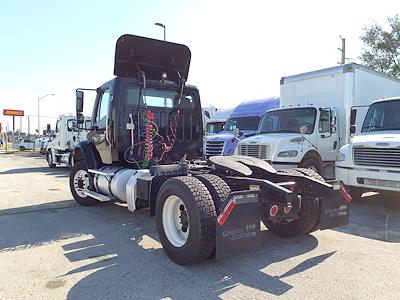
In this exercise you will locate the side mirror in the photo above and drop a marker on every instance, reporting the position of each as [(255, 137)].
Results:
[(207, 114), (79, 101), (303, 129), (352, 129), (236, 132), (79, 107), (353, 116)]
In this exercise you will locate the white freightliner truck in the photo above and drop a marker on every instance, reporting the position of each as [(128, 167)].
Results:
[(313, 121), (371, 161), (64, 139)]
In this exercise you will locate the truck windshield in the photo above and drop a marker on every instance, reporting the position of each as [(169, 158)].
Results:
[(244, 123), (289, 120), (382, 116), (214, 127), (159, 98)]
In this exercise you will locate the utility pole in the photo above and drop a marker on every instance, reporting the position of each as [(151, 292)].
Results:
[(343, 50)]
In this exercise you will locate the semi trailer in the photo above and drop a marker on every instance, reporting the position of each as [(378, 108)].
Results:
[(145, 149)]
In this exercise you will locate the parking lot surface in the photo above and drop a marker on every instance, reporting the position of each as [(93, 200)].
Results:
[(51, 248)]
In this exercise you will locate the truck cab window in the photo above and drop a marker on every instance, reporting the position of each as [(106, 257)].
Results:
[(324, 121), (88, 124), (288, 120), (158, 98), (102, 109), (70, 124), (58, 126)]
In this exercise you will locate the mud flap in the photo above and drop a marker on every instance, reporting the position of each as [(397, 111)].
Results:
[(238, 225), (335, 207)]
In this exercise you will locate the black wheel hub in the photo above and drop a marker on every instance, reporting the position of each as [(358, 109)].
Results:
[(184, 218)]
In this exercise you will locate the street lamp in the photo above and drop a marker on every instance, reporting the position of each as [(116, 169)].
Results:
[(38, 108), (161, 25)]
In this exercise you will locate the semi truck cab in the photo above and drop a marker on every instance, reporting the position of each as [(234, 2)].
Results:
[(65, 138), (304, 136), (371, 161), (243, 122)]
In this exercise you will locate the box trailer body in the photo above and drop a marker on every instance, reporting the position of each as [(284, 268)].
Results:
[(321, 102)]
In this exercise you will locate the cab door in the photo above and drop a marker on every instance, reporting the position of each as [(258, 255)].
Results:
[(327, 138), (100, 133)]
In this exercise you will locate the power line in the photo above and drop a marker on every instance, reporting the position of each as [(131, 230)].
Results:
[(21, 86)]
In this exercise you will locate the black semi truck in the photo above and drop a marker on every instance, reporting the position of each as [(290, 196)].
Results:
[(145, 149)]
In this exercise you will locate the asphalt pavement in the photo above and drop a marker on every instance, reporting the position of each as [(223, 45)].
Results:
[(51, 248)]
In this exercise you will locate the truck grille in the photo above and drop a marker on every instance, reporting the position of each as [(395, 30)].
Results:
[(380, 157), (260, 151), (214, 148)]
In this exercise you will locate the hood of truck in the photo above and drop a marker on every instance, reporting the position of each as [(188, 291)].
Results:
[(154, 57), (390, 139), (274, 143), (228, 135), (271, 137), (223, 143)]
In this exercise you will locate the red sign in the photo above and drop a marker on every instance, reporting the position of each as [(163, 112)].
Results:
[(13, 112)]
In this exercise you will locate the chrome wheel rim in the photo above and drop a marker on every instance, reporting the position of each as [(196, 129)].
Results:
[(81, 183)]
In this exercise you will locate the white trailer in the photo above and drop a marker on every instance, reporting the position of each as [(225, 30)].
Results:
[(64, 139), (371, 161), (318, 104)]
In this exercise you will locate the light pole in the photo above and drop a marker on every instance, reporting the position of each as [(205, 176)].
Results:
[(38, 109), (161, 25)]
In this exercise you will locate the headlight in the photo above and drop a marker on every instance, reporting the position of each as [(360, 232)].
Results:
[(341, 156), (290, 153)]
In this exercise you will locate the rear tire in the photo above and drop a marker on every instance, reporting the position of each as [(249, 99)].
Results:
[(79, 183), (218, 189), (49, 159), (195, 212), (308, 216)]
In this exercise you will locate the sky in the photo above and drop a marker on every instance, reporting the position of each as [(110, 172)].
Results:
[(240, 49)]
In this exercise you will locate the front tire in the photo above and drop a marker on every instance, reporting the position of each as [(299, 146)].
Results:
[(79, 183), (314, 163), (49, 158), (186, 217)]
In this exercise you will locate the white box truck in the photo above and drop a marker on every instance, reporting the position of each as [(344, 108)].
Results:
[(64, 140), (313, 121), (371, 161)]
